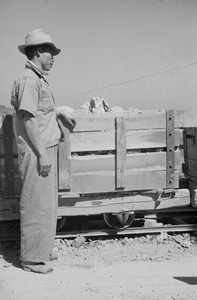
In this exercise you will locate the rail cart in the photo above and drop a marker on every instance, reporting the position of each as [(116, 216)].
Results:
[(114, 164)]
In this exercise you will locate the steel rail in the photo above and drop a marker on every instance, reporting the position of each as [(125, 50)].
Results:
[(112, 232), (128, 231)]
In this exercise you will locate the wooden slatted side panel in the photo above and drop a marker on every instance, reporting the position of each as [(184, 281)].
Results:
[(115, 156), (95, 173)]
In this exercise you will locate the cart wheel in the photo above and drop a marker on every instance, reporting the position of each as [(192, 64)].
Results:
[(61, 222), (119, 221)]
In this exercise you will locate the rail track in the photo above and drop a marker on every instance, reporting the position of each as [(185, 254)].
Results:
[(91, 228), (128, 231)]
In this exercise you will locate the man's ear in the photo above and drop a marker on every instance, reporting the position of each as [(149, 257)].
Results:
[(38, 51)]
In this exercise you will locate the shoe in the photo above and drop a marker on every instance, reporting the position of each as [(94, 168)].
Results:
[(41, 268)]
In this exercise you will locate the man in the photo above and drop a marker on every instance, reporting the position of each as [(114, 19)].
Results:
[(37, 135)]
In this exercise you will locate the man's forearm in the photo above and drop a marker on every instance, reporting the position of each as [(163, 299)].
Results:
[(68, 116)]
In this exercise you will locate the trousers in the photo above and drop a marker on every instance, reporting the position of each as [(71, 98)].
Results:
[(38, 207)]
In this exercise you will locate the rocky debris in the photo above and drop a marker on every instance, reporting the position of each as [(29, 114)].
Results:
[(184, 240), (100, 105), (78, 241), (152, 223), (95, 105), (149, 247), (163, 236), (83, 251)]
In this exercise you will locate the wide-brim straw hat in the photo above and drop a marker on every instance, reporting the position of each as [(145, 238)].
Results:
[(38, 37)]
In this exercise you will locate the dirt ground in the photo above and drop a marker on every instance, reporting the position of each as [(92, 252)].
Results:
[(162, 267)]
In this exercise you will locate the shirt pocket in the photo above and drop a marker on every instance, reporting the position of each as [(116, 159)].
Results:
[(46, 103)]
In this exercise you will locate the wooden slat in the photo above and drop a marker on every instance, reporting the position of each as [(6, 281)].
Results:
[(143, 119), (134, 120), (2, 154), (2, 164), (135, 162), (170, 159), (190, 131), (120, 203), (17, 187), (64, 163), (192, 167), (193, 192), (120, 146), (9, 209), (8, 153), (135, 139), (185, 118), (191, 149), (105, 182), (152, 119)]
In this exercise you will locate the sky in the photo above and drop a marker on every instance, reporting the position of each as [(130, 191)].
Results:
[(134, 53)]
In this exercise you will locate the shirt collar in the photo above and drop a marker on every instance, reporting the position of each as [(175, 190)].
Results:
[(31, 65)]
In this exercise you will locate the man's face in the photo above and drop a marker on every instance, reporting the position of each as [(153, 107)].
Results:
[(46, 57)]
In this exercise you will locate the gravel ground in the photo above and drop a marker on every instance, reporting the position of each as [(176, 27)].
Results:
[(105, 251), (149, 267)]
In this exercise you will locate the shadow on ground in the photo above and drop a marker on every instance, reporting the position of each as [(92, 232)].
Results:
[(188, 280)]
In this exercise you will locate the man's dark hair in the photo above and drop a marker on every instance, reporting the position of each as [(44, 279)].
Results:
[(29, 51)]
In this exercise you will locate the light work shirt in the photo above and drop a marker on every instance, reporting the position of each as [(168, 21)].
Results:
[(31, 93)]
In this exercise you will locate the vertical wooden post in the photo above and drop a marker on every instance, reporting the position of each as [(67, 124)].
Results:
[(120, 146), (8, 156), (64, 162), (170, 162)]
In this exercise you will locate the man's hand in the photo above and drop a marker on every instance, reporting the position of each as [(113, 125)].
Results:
[(44, 165), (67, 115)]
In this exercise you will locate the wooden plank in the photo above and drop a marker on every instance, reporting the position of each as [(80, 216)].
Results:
[(143, 119), (8, 153), (105, 182), (2, 164), (152, 161), (191, 149), (120, 146), (2, 154), (185, 118), (9, 209), (134, 120), (192, 168), (17, 187), (170, 160), (139, 119), (190, 131), (64, 162), (135, 139), (193, 192), (149, 200)]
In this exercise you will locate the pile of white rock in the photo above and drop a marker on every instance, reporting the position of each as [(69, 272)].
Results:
[(96, 105)]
